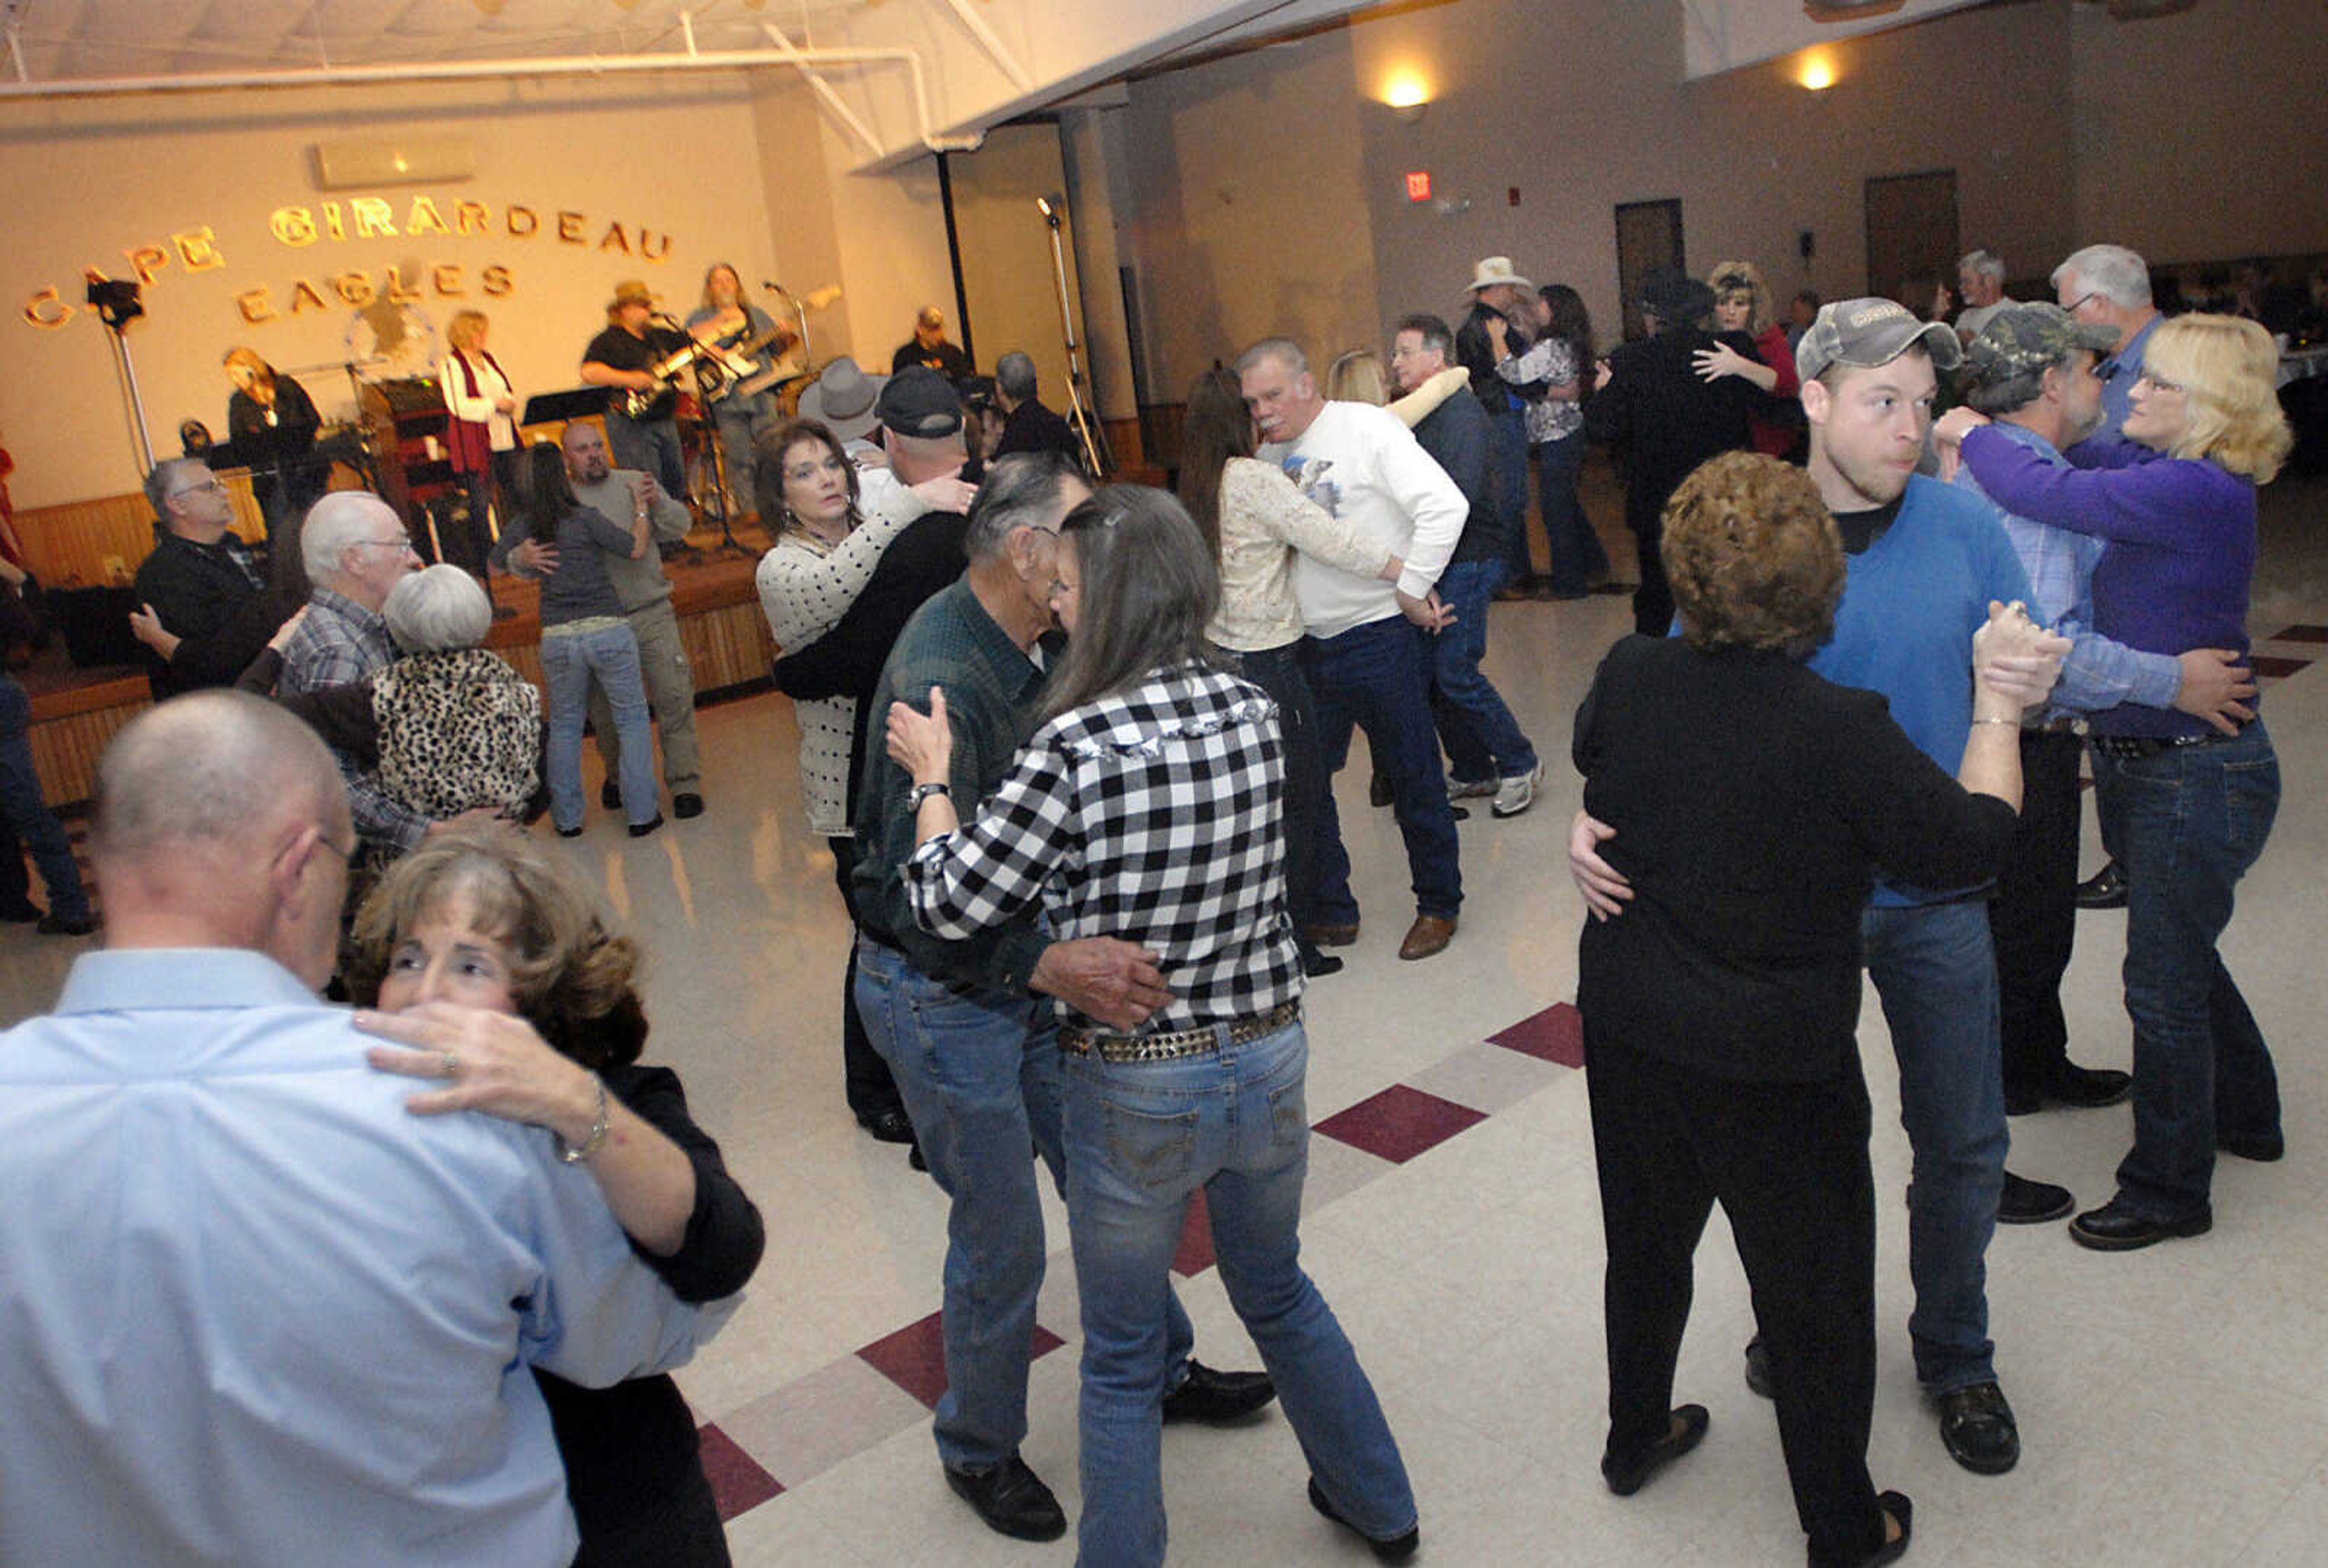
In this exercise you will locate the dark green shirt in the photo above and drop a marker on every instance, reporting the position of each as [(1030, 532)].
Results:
[(992, 689)]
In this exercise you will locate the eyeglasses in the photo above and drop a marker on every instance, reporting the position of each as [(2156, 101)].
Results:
[(217, 486), (2071, 308), (402, 541), (2156, 384)]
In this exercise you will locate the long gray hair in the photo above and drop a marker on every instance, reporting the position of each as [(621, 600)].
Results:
[(1150, 588)]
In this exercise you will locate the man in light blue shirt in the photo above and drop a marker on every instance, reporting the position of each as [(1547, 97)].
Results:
[(251, 1310), (2032, 371), (2109, 286)]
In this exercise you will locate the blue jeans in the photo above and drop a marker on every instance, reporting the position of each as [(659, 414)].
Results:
[(25, 819), (1934, 968), (740, 419), (1483, 740), (652, 448), (1141, 1137), (569, 661), (1577, 556), (1376, 677), (980, 1075), (2188, 822)]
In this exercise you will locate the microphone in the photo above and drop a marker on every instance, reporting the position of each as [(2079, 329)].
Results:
[(1050, 206), (774, 287)]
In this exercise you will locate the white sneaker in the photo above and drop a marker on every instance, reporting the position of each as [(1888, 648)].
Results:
[(1464, 789), (1517, 792)]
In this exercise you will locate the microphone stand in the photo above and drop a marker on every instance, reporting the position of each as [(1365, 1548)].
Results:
[(1078, 415)]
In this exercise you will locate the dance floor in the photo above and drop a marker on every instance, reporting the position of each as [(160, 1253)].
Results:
[(2172, 1402)]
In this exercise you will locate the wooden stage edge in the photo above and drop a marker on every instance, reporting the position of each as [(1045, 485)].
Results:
[(76, 713)]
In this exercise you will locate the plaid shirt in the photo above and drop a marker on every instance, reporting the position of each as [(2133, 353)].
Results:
[(1152, 816), (340, 642)]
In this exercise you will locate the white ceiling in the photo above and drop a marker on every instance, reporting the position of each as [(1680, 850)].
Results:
[(987, 60)]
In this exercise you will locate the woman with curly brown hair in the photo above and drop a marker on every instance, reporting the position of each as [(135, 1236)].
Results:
[(487, 931), (1752, 802)]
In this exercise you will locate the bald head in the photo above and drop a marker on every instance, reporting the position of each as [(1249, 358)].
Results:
[(209, 768), (354, 543), (221, 821)]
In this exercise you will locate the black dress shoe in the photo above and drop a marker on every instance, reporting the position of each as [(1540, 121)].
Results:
[(640, 829), (1977, 1428), (687, 805), (2262, 1148), (2105, 889), (1396, 1549), (54, 924), (1316, 965), (610, 794), (1011, 1499), (2087, 1087), (1896, 1507), (1684, 1433), (2116, 1228), (1378, 790), (1208, 1396), (890, 1126), (1758, 1367), (2026, 1202)]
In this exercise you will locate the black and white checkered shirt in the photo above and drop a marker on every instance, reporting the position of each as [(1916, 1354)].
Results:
[(1152, 816)]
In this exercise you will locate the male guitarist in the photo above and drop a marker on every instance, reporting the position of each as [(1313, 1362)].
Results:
[(639, 358)]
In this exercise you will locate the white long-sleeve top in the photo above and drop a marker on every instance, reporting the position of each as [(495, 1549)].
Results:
[(491, 386), (1266, 525), (1361, 464)]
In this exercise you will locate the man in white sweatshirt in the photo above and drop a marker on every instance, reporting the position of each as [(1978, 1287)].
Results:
[(1363, 656)]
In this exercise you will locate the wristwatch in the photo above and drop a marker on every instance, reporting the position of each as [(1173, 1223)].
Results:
[(922, 792)]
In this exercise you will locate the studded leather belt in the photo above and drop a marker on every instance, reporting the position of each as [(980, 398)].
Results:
[(2131, 748), (1114, 1048)]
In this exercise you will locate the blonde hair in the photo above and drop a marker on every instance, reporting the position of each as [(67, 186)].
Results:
[(1357, 377), (249, 360), (1729, 279), (2227, 369), (571, 978), (465, 328)]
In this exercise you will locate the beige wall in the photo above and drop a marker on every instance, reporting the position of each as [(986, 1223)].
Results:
[(81, 181), (1252, 218), (2203, 136)]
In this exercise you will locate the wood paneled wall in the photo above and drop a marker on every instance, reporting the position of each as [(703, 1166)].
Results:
[(84, 544)]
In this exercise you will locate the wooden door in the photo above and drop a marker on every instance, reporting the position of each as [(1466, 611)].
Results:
[(1649, 236), (1912, 235)]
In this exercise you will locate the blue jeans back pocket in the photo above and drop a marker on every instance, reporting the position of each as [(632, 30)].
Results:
[(1150, 1152)]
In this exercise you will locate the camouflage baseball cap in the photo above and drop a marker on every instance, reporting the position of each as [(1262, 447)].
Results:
[(1867, 333), (2023, 339)]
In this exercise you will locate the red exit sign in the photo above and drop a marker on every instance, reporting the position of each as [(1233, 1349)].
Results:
[(1418, 186)]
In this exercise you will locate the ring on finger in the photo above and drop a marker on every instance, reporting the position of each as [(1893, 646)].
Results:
[(452, 1064)]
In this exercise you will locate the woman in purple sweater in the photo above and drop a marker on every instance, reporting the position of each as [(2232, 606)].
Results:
[(2185, 809)]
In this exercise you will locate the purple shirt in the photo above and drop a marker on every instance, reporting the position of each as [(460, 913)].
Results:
[(2182, 555)]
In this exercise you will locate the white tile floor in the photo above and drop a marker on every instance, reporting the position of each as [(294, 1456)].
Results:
[(2172, 1402)]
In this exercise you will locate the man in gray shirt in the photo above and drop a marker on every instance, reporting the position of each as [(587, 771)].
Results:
[(621, 494)]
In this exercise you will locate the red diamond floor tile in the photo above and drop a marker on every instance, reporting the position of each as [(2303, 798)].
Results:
[(2300, 635), (1196, 1253), (1553, 1035), (2273, 667), (737, 1482), (914, 1358), (1400, 1123)]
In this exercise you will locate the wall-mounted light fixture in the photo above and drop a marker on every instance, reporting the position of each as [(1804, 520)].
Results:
[(1816, 72), (1407, 94)]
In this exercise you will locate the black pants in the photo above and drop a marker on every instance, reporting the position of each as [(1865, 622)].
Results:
[(1788, 1164), (865, 1076), (2034, 918), (1653, 601), (1278, 671)]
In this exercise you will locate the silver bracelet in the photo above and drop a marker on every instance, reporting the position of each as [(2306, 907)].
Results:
[(592, 1144), (2015, 722)]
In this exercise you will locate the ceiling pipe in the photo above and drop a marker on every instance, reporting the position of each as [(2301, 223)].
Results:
[(781, 53), (969, 18)]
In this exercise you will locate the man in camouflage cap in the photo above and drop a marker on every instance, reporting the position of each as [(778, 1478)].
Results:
[(2030, 371)]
